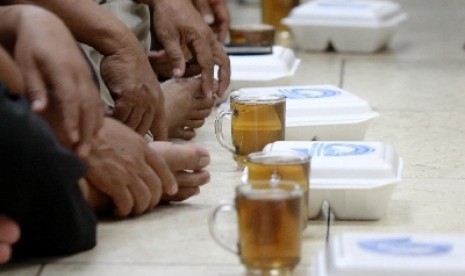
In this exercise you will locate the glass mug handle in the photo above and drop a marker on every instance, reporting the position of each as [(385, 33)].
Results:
[(212, 222), (219, 130)]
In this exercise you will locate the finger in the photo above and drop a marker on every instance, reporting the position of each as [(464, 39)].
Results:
[(224, 72), (67, 101), (36, 91), (10, 73), (171, 43), (204, 56), (141, 195), (163, 171), (203, 6), (123, 202), (145, 123), (154, 184), (221, 13), (91, 121), (122, 112), (159, 126), (135, 119)]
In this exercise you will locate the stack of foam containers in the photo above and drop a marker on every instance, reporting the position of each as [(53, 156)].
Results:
[(399, 254), (277, 68), (362, 26), (356, 178), (322, 112)]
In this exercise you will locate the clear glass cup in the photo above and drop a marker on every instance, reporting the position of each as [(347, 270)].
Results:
[(269, 226), (257, 119), (282, 165)]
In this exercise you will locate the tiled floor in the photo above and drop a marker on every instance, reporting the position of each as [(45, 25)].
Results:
[(417, 85)]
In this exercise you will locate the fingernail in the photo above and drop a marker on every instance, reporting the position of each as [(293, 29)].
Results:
[(177, 72), (37, 105), (209, 19), (74, 136)]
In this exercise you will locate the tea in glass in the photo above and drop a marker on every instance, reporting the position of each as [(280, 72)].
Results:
[(257, 119)]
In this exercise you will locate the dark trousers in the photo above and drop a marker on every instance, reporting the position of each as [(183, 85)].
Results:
[(38, 185)]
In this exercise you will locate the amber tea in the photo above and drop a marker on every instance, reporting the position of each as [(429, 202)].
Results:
[(256, 120), (285, 165), (275, 10), (269, 227)]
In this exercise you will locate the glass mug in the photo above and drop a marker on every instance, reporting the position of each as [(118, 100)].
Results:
[(257, 119), (285, 165), (258, 34), (273, 11), (269, 227)]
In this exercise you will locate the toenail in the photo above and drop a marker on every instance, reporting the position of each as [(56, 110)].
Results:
[(203, 161)]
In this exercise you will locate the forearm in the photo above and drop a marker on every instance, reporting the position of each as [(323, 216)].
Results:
[(89, 23)]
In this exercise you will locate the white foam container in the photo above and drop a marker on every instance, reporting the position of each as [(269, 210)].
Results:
[(374, 254), (321, 112), (356, 178), (362, 26), (277, 68)]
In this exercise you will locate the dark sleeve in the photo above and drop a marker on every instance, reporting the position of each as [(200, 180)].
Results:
[(38, 185)]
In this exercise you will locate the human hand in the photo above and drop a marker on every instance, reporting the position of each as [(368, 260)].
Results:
[(178, 23), (58, 81), (161, 63), (216, 14), (124, 168), (133, 85)]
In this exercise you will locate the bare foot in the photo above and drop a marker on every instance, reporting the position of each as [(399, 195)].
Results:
[(185, 107), (188, 163), (9, 234)]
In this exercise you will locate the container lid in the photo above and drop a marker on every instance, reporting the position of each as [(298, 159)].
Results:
[(281, 63), (347, 165), (347, 11), (376, 254), (320, 105)]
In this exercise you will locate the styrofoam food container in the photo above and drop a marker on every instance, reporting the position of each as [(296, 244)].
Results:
[(277, 68), (363, 26), (321, 112), (375, 254), (357, 179)]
